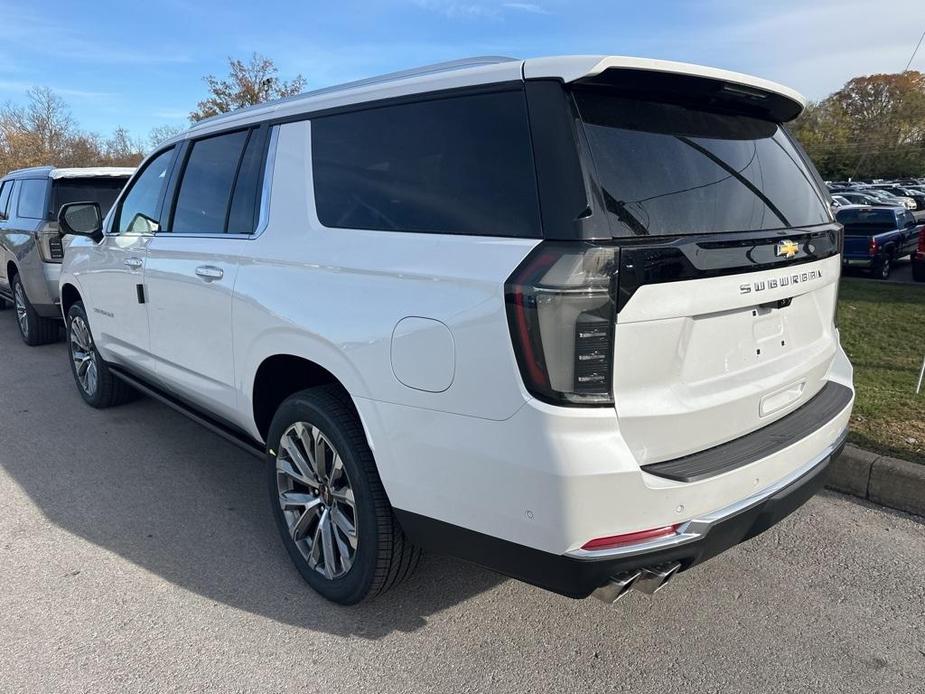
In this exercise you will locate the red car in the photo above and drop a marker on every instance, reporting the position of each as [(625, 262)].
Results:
[(918, 260)]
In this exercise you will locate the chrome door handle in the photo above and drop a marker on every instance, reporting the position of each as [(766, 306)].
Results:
[(210, 272), (134, 263)]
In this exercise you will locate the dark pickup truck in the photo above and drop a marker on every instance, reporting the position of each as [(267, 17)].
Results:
[(877, 236)]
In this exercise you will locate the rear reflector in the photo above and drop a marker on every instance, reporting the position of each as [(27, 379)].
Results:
[(629, 538)]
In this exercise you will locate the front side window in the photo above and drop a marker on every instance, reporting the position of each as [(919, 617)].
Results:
[(209, 193), (674, 169), (32, 198), (458, 165), (140, 209)]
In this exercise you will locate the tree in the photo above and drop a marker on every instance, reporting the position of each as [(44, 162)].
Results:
[(43, 132), (36, 133), (121, 149), (873, 127), (247, 84), (162, 133)]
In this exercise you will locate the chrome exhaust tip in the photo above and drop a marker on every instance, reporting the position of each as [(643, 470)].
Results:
[(654, 578), (617, 587)]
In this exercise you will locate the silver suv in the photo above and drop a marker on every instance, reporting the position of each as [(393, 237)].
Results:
[(30, 245)]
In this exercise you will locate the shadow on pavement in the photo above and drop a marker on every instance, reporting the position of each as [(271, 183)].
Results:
[(165, 494)]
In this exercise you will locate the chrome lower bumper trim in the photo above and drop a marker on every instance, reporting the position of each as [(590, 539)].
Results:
[(696, 528)]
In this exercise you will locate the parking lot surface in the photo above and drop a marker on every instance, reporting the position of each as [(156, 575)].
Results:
[(137, 553)]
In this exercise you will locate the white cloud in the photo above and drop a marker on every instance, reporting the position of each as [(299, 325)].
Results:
[(530, 7), (458, 10), (814, 47), (171, 114), (28, 31), (20, 88)]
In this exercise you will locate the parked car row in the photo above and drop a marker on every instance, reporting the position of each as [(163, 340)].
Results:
[(908, 194), (879, 225), (468, 308)]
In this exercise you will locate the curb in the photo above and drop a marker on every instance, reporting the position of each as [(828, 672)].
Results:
[(887, 481)]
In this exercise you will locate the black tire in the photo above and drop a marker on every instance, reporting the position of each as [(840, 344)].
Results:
[(882, 268), (4, 304), (33, 329), (383, 556), (108, 390)]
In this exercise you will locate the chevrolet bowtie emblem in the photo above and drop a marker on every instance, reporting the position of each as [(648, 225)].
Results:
[(787, 248)]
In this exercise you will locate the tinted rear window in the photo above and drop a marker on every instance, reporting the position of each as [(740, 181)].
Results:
[(102, 191), (865, 218), (460, 165), (668, 169)]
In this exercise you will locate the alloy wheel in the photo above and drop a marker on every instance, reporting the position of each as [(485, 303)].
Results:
[(83, 355), (316, 497), (22, 316)]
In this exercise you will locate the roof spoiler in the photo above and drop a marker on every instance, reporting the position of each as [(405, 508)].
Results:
[(663, 79)]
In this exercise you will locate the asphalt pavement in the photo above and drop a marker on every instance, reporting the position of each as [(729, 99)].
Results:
[(138, 553)]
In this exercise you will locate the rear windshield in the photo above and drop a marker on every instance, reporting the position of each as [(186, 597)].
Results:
[(863, 220), (669, 169), (103, 191)]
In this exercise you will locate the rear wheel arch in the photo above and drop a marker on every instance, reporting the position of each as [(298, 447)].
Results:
[(282, 375), (11, 272)]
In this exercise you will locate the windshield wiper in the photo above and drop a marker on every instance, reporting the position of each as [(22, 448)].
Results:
[(735, 174)]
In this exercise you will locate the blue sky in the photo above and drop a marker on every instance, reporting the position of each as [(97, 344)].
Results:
[(139, 65)]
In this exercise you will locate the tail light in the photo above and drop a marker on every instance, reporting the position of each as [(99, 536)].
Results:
[(48, 239), (561, 312), (873, 247)]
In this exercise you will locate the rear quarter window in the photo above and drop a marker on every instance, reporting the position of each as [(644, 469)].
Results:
[(5, 190), (459, 165), (31, 203)]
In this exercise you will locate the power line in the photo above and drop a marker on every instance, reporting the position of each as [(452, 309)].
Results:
[(864, 155), (917, 46)]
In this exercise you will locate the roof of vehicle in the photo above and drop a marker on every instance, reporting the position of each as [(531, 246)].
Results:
[(72, 172), (481, 70)]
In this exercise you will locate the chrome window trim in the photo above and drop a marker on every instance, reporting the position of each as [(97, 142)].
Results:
[(266, 190), (698, 527)]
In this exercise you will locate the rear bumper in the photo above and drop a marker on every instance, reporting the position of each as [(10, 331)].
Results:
[(578, 573), (40, 280), (857, 262)]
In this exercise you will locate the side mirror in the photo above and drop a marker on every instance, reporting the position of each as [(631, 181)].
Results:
[(81, 219)]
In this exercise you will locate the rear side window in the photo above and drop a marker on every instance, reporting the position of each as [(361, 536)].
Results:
[(218, 191), (103, 191), (670, 169), (5, 191), (242, 218), (460, 165), (32, 198)]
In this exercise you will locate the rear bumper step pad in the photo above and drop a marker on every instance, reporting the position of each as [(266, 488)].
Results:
[(775, 437)]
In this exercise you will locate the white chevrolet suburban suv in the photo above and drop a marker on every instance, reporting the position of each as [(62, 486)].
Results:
[(568, 318)]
